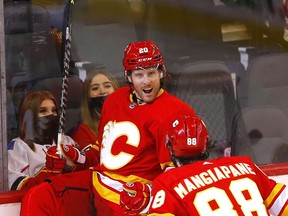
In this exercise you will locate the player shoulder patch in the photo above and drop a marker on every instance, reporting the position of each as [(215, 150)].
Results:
[(11, 145)]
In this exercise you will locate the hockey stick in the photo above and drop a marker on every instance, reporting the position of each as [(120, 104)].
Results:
[(66, 68)]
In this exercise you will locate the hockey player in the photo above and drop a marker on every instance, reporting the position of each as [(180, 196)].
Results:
[(224, 186), (132, 134)]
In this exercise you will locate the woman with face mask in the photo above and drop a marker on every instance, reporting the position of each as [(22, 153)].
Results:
[(97, 86), (33, 155)]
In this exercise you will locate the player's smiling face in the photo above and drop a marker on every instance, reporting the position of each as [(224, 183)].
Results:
[(146, 83)]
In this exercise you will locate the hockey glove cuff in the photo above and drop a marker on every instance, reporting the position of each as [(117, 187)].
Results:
[(135, 197)]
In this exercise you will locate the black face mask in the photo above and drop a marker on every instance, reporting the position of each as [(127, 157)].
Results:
[(97, 103), (47, 129), (47, 122)]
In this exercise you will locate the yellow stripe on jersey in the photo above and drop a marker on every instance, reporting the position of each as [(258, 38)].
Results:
[(273, 201), (103, 191), (109, 185), (165, 165), (285, 211), (96, 147), (280, 202), (273, 194), (130, 178), (20, 185)]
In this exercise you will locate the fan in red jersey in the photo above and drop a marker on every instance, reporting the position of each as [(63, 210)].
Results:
[(223, 186), (132, 134)]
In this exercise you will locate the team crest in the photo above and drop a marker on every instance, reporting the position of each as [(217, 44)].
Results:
[(132, 105)]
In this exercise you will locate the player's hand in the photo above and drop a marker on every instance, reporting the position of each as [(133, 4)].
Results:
[(134, 198), (72, 154), (54, 162)]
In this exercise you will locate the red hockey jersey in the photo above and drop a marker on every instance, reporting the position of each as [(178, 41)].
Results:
[(224, 186), (84, 137), (132, 138)]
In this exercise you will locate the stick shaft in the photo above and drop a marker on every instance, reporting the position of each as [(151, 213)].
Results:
[(66, 69)]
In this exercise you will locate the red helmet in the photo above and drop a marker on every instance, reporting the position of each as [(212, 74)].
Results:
[(187, 137), (141, 54)]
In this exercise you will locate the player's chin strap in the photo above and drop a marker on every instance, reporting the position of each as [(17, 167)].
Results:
[(132, 92), (134, 96), (136, 99)]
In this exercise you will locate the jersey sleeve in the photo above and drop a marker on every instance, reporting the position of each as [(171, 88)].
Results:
[(18, 164), (275, 194), (92, 158), (83, 136), (28, 182), (163, 201)]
